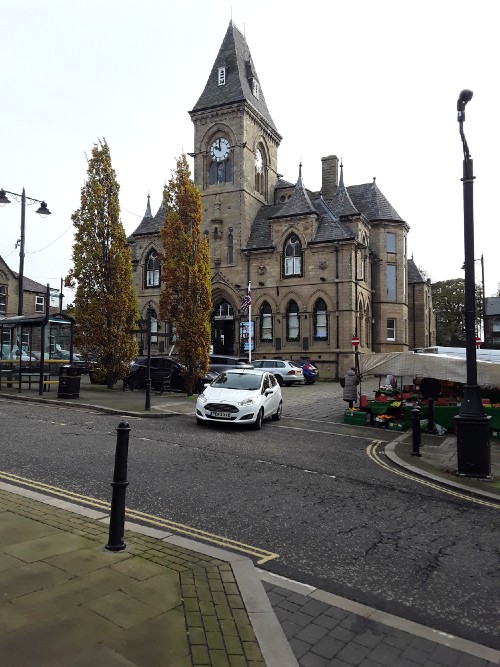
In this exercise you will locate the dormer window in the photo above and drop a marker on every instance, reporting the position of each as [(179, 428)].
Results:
[(221, 76), (255, 88)]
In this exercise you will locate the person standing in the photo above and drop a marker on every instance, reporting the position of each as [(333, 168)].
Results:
[(350, 383)]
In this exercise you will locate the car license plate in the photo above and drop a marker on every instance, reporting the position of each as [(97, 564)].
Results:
[(221, 415)]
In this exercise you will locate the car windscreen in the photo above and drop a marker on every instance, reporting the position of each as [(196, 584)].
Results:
[(237, 381)]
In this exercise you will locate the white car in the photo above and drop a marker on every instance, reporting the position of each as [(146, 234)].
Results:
[(240, 397)]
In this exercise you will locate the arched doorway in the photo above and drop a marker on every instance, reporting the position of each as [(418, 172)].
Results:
[(223, 328)]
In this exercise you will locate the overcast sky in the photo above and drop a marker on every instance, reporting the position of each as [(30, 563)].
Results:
[(375, 83)]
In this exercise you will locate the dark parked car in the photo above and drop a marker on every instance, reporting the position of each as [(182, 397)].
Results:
[(223, 362), (85, 365), (310, 372), (161, 368)]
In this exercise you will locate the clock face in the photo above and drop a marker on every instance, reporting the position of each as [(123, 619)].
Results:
[(219, 150), (259, 162)]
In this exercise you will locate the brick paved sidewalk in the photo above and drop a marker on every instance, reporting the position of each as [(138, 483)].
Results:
[(65, 600)]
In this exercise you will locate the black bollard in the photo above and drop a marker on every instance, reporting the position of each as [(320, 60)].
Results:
[(415, 423), (119, 484)]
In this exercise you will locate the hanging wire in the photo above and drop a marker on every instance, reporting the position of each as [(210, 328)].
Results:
[(33, 252)]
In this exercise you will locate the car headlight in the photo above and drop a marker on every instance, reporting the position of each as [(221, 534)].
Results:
[(202, 398), (247, 401)]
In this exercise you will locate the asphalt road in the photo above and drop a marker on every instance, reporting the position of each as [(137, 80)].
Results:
[(304, 490)]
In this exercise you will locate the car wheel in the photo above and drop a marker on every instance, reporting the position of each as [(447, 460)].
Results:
[(279, 379), (200, 422), (258, 422), (277, 414)]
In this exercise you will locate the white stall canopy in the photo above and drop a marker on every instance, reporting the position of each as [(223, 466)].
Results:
[(440, 366)]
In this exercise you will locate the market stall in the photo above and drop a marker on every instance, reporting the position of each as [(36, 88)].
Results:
[(424, 379)]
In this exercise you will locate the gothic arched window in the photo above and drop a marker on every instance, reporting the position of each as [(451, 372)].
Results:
[(260, 170), (266, 323), (320, 320), (292, 321), (152, 273), (293, 257)]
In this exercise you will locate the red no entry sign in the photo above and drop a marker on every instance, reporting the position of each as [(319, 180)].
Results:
[(355, 340)]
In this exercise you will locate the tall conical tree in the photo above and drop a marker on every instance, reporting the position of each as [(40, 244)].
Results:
[(186, 299), (105, 305)]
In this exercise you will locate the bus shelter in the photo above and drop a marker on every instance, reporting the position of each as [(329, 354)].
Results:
[(33, 349)]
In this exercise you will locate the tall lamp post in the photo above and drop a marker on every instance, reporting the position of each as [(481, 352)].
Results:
[(43, 211), (147, 405), (472, 426)]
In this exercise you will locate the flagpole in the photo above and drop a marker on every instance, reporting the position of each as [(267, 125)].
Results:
[(250, 325)]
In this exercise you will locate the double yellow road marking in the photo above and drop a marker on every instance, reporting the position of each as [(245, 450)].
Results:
[(262, 555), (373, 453)]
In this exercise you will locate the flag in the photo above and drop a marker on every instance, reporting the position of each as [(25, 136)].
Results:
[(247, 300)]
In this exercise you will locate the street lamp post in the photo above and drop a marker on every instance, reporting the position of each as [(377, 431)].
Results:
[(43, 211), (147, 405), (472, 426)]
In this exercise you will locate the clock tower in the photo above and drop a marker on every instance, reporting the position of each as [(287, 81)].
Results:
[(235, 154)]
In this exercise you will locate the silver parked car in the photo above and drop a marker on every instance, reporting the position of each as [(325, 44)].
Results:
[(286, 371)]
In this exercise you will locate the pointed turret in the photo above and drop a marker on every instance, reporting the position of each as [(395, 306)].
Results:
[(148, 213), (233, 78), (148, 224), (299, 203), (341, 203)]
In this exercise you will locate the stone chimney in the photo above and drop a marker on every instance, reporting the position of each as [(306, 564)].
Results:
[(330, 176)]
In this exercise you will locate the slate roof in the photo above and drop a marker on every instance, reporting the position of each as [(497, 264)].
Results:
[(234, 55), (298, 204), (341, 203), (260, 234), (368, 200), (148, 224), (414, 275), (492, 305), (31, 285), (330, 227)]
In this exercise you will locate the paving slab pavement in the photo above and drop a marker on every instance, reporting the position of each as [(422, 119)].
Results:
[(65, 600)]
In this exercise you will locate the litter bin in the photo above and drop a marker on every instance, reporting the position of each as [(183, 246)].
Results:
[(69, 382)]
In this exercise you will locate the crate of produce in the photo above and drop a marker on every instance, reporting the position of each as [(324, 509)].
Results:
[(397, 426), (378, 407), (356, 417)]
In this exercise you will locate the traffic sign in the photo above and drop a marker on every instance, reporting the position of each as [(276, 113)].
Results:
[(355, 341), (478, 341)]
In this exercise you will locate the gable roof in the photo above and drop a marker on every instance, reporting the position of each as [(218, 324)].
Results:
[(28, 284), (298, 204), (234, 55), (414, 275), (330, 227)]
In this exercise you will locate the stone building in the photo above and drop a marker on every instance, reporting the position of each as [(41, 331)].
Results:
[(324, 266), (492, 321), (421, 316), (34, 294)]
